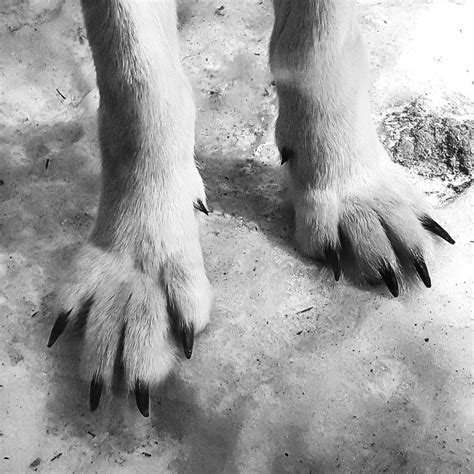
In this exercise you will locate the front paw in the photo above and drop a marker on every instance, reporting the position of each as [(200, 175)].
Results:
[(374, 228), (134, 319)]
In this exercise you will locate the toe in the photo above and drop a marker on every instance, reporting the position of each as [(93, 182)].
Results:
[(367, 249)]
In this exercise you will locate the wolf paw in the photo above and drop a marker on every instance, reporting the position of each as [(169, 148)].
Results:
[(133, 320), (375, 230)]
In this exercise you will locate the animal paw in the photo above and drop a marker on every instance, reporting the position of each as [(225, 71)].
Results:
[(373, 228), (134, 316)]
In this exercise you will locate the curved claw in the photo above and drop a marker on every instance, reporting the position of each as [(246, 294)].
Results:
[(422, 270), (332, 257), (59, 327), (286, 154), (390, 279), (95, 392), (199, 206), (432, 226), (142, 398), (187, 336)]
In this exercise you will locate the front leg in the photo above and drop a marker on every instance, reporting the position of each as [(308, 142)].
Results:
[(139, 283), (354, 208)]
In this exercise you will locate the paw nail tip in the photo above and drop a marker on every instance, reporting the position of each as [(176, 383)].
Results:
[(95, 393), (142, 398), (427, 283), (390, 280), (286, 155), (332, 257), (393, 291), (188, 341), (144, 411), (422, 270), (432, 226), (199, 206), (58, 327)]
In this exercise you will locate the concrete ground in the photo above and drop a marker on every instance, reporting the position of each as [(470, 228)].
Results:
[(295, 373)]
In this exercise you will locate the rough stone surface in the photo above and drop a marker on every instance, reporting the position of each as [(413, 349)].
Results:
[(432, 144)]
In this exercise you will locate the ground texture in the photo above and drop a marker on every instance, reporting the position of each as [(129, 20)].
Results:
[(295, 373)]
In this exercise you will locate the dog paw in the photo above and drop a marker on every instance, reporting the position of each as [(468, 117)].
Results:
[(373, 228), (136, 318)]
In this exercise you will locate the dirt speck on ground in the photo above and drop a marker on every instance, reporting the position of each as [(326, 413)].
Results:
[(34, 464)]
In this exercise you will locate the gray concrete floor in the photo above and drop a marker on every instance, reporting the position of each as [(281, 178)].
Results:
[(295, 373)]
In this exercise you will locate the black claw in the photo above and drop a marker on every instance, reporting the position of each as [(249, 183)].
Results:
[(332, 257), (188, 340), (142, 398), (183, 331), (199, 206), (58, 327), (95, 392), (422, 270), (286, 155), (390, 279), (432, 226)]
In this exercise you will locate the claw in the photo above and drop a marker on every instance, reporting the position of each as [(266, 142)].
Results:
[(142, 398), (188, 340), (286, 155), (390, 279), (59, 326), (182, 330), (332, 257), (422, 270), (199, 206), (432, 226), (95, 392)]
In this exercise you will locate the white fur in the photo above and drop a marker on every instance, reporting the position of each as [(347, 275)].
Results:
[(340, 175), (144, 251)]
